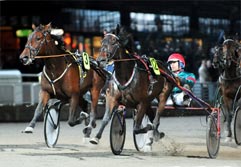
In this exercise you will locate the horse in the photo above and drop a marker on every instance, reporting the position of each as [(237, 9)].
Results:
[(130, 84), (62, 78), (227, 59)]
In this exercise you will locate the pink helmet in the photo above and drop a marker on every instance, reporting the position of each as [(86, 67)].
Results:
[(177, 57)]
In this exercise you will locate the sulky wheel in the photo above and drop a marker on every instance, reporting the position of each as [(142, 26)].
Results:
[(212, 135), (117, 132), (51, 126), (237, 126)]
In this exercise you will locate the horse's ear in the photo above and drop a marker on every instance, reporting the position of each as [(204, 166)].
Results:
[(105, 32), (224, 37), (33, 26), (48, 27)]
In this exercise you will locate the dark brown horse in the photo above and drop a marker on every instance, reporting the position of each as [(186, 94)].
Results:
[(227, 59), (62, 78), (130, 84)]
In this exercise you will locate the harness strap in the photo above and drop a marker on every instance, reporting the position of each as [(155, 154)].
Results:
[(222, 77), (145, 64), (78, 64), (122, 87), (57, 79)]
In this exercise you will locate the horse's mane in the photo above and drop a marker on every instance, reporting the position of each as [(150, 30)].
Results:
[(59, 41), (125, 37)]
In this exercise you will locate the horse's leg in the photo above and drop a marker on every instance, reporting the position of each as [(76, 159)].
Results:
[(141, 109), (156, 122), (109, 106), (93, 107), (38, 112), (73, 107), (161, 106), (150, 133), (92, 116), (151, 115), (228, 121), (84, 106)]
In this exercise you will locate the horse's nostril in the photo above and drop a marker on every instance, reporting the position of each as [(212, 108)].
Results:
[(23, 59)]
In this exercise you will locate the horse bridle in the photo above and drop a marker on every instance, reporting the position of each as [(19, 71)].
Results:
[(34, 51), (106, 49), (228, 57), (218, 58)]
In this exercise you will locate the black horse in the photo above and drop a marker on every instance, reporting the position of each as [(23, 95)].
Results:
[(130, 85), (227, 59)]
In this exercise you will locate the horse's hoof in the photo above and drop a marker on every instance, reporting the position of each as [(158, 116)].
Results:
[(84, 117), (158, 135), (94, 141), (228, 139), (162, 134), (28, 130), (147, 148), (72, 123), (93, 124), (86, 140), (84, 114), (150, 137), (87, 131)]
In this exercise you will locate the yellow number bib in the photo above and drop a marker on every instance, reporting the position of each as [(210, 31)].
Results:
[(86, 60), (154, 66)]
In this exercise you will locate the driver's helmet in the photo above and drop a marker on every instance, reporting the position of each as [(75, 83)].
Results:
[(177, 57)]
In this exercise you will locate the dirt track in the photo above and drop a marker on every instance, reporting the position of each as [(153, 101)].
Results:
[(184, 145)]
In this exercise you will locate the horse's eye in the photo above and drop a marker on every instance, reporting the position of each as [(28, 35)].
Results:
[(38, 38), (113, 41)]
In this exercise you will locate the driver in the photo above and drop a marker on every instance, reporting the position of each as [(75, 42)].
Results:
[(176, 63)]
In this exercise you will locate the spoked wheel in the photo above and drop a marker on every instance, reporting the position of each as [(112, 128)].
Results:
[(117, 132), (237, 126), (141, 139), (51, 126), (212, 135)]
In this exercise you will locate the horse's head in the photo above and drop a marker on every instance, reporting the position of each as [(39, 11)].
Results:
[(231, 52), (218, 58), (40, 42), (115, 45)]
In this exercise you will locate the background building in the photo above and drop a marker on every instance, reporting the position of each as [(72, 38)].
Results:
[(160, 27)]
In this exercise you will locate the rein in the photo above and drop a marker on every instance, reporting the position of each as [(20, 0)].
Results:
[(123, 60), (198, 100), (50, 56), (228, 79)]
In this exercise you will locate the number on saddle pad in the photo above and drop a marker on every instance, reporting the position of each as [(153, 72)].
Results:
[(154, 65), (86, 60)]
